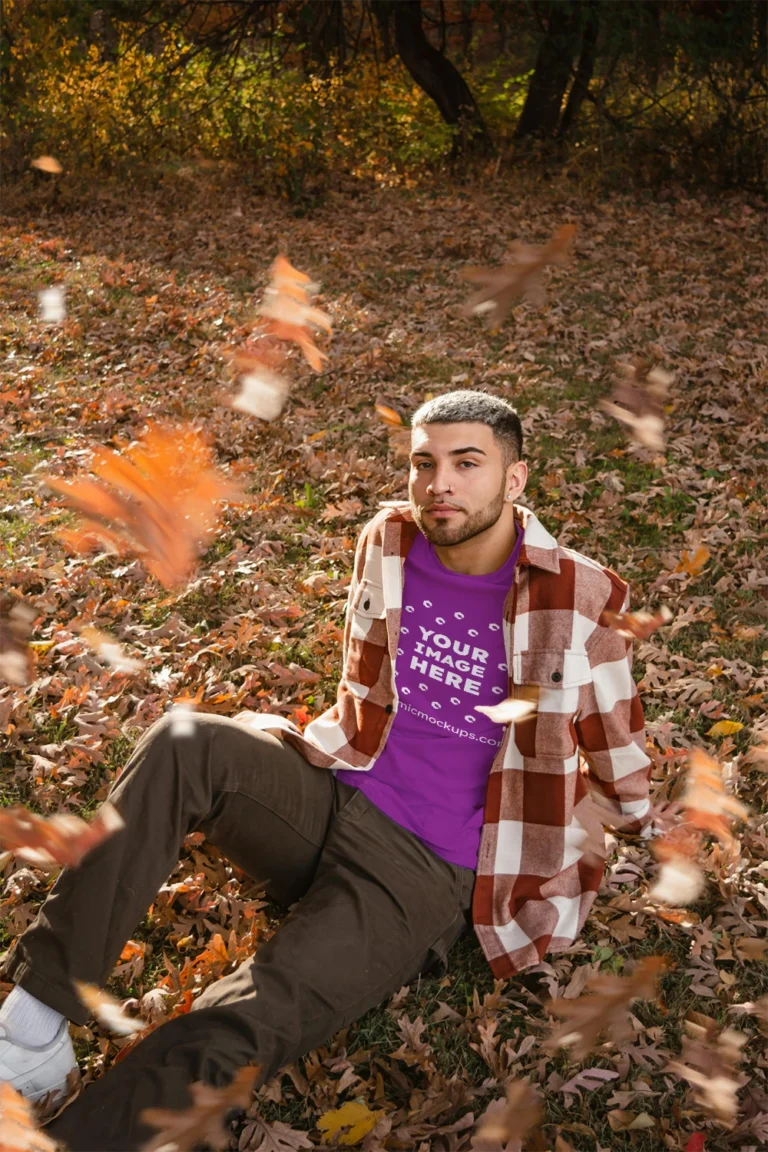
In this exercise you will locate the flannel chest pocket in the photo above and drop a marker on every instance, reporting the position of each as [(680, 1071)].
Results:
[(368, 641), (554, 678)]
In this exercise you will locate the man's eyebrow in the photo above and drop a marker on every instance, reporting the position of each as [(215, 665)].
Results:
[(453, 452)]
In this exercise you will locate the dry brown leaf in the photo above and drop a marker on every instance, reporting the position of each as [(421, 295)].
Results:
[(16, 620), (161, 503), (636, 625), (108, 1011), (18, 1130), (263, 393), (517, 279), (509, 1119), (679, 882), (203, 1121), (108, 649), (605, 1011), (708, 1062), (55, 841), (637, 401)]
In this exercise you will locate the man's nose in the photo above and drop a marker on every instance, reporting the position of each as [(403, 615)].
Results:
[(439, 482)]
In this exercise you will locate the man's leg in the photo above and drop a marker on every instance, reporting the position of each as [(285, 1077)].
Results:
[(380, 909), (255, 797)]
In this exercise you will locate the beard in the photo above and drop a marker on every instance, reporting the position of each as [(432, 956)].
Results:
[(446, 533)]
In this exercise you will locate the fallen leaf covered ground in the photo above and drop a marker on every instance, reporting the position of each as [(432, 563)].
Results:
[(158, 289)]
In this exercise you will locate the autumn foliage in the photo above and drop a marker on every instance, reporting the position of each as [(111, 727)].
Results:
[(166, 547)]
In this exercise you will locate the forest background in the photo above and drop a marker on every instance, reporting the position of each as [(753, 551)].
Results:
[(382, 147)]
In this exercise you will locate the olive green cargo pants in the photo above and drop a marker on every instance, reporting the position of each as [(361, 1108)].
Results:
[(373, 908)]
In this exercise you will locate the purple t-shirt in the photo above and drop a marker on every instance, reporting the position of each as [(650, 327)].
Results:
[(432, 773)]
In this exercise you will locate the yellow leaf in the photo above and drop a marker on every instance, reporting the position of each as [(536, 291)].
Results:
[(42, 646), (693, 564), (353, 1120), (725, 728)]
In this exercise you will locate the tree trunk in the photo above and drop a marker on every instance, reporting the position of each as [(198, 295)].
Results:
[(323, 21), (436, 75), (584, 71), (541, 112), (383, 14)]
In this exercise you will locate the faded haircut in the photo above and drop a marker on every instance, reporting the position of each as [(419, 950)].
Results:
[(467, 406)]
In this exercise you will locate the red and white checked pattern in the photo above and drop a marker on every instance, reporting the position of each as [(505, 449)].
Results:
[(533, 889)]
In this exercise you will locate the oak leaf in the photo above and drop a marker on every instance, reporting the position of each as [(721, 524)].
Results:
[(204, 1121), (55, 841), (637, 402), (519, 278), (605, 1011), (509, 1119), (159, 499), (694, 564), (260, 1136), (708, 1062)]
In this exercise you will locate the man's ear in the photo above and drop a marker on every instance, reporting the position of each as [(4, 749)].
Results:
[(517, 478)]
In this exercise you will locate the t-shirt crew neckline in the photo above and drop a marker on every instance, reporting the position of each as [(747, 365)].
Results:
[(501, 575)]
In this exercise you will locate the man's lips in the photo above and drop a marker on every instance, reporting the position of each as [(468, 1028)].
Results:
[(442, 509)]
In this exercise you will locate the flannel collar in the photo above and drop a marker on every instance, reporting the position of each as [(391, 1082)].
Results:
[(539, 548)]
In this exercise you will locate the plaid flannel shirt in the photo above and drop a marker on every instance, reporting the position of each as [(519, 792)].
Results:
[(534, 884)]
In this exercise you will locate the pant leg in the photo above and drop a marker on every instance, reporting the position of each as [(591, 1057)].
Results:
[(254, 796), (380, 909)]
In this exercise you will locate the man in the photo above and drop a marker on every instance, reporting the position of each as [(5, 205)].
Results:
[(432, 815)]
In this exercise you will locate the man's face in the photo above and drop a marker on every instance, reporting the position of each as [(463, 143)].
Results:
[(457, 483)]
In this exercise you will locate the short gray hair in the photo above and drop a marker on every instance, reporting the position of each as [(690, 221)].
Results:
[(467, 406)]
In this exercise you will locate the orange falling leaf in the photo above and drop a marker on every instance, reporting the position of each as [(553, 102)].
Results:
[(707, 805), (159, 499), (18, 1130), (55, 841), (289, 313), (693, 564), (47, 164), (397, 430)]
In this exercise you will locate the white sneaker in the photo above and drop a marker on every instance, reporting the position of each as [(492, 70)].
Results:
[(34, 1072)]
